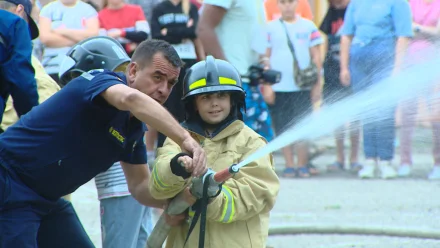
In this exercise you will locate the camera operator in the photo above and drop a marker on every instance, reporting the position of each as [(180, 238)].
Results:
[(238, 38)]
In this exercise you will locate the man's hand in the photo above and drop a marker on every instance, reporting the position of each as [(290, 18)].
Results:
[(199, 158), (164, 31)]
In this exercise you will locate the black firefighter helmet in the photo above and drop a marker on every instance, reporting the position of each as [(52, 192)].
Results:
[(210, 76), (98, 52)]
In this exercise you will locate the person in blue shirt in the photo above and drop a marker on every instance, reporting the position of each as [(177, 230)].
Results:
[(97, 119), (17, 76), (131, 229), (375, 35)]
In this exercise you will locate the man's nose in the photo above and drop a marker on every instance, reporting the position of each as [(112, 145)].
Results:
[(164, 90)]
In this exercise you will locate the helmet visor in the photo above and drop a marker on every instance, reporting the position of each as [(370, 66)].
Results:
[(67, 64), (67, 73)]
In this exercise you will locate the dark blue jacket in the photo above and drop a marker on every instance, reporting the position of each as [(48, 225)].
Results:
[(17, 76), (71, 137)]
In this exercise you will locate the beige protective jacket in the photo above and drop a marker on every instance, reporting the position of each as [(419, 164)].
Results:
[(239, 216), (46, 87)]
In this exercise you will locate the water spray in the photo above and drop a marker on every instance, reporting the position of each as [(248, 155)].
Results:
[(414, 80)]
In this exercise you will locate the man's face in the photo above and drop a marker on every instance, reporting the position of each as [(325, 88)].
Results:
[(156, 79)]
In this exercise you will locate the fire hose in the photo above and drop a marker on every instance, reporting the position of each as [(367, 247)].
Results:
[(206, 185)]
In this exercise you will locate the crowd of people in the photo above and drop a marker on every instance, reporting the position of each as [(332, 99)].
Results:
[(178, 23), (359, 38)]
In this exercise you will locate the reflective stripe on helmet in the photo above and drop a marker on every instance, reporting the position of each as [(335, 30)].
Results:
[(202, 82), (197, 84), (224, 80)]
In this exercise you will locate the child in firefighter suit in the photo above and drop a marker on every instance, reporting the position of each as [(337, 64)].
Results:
[(239, 216)]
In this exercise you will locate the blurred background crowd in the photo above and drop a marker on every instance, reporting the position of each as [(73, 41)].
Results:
[(344, 40), (348, 45)]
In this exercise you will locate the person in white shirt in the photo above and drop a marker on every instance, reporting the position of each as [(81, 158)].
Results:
[(291, 103)]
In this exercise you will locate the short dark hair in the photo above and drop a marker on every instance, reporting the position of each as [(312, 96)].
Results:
[(147, 49)]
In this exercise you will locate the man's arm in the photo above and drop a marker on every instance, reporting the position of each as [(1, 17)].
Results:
[(146, 110), (18, 70), (138, 176), (211, 17), (153, 114)]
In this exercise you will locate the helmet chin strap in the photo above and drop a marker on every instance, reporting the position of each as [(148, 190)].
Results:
[(214, 127)]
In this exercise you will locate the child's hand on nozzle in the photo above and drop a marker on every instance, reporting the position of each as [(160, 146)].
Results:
[(186, 162), (191, 167)]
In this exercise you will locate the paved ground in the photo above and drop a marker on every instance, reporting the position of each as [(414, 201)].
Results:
[(349, 241), (338, 199)]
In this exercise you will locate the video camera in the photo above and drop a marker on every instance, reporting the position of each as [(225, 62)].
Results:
[(257, 75)]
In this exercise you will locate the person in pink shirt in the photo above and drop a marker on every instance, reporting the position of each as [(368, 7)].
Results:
[(426, 26)]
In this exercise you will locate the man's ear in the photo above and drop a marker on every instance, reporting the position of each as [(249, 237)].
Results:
[(19, 10), (132, 71)]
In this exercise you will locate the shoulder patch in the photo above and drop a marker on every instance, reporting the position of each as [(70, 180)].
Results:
[(87, 76)]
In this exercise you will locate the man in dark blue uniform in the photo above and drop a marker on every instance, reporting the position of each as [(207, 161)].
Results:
[(95, 120), (17, 76)]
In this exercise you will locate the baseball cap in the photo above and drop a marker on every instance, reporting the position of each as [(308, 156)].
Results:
[(28, 8)]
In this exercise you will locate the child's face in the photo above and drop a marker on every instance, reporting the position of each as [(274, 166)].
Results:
[(287, 8), (213, 108)]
